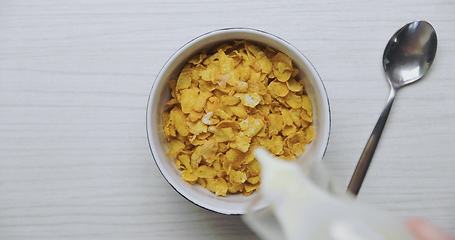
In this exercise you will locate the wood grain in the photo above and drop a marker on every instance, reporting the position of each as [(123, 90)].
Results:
[(75, 78)]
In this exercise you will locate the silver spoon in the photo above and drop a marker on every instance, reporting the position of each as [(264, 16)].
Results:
[(407, 57)]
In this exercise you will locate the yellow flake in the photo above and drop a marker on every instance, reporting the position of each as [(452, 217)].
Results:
[(221, 187), (207, 150), (224, 135), (306, 104), (189, 177), (289, 130), (241, 143), (249, 99), (226, 63), (282, 67), (309, 134), (256, 86), (294, 85), (235, 188), (295, 115), (254, 168), (197, 127), (179, 120), (254, 180), (239, 111), (229, 100), (293, 100), (198, 58), (211, 72), (175, 147), (222, 114), (187, 99), (277, 88), (207, 119), (179, 164), (200, 101), (241, 86), (232, 155), (249, 188), (251, 126), (204, 171), (237, 177), (304, 115), (185, 160), (183, 81), (276, 145), (287, 119), (193, 116)]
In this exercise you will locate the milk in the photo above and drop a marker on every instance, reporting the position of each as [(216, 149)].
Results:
[(298, 208)]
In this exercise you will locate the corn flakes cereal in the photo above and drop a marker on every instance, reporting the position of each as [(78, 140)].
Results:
[(224, 135), (225, 103), (277, 88), (221, 187), (187, 98), (188, 176)]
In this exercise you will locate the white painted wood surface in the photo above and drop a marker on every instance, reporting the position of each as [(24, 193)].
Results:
[(74, 82)]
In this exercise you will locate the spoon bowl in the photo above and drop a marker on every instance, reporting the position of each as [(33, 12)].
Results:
[(410, 53), (407, 57)]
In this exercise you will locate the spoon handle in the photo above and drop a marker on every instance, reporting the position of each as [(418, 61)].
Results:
[(368, 152)]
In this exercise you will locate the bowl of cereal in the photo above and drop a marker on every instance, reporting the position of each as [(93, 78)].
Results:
[(219, 97)]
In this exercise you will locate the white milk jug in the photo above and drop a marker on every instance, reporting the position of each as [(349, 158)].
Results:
[(302, 204)]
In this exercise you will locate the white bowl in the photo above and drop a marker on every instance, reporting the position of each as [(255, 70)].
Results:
[(160, 94)]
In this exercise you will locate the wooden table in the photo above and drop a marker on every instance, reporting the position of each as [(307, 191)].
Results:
[(75, 78)]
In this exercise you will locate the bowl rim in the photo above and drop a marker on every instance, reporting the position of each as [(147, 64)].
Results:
[(214, 33)]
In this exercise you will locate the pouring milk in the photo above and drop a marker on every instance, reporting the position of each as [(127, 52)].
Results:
[(299, 207)]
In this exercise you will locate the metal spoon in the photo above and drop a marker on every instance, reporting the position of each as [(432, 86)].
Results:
[(407, 57)]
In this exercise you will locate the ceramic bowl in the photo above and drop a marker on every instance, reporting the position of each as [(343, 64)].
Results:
[(160, 94)]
